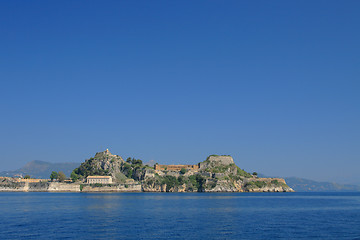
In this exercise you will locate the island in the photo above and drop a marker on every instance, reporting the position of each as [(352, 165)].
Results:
[(106, 172)]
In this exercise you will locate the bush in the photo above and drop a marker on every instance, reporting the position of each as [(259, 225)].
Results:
[(74, 177), (181, 180), (170, 182), (183, 171), (256, 184), (276, 182), (242, 172), (54, 175), (129, 173), (260, 184), (197, 181), (61, 176)]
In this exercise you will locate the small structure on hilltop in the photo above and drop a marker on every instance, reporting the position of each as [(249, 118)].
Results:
[(176, 167), (99, 179)]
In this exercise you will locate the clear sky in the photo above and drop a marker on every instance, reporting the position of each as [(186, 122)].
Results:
[(276, 84)]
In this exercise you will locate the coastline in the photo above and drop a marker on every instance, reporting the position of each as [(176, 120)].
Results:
[(87, 188)]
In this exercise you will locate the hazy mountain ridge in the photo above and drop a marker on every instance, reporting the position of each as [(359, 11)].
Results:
[(307, 185), (41, 169)]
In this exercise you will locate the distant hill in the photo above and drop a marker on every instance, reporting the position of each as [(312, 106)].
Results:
[(151, 163), (306, 185), (41, 169)]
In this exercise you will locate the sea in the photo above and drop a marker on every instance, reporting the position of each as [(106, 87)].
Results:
[(179, 215)]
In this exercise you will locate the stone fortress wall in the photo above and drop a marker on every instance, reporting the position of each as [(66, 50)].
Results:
[(176, 167)]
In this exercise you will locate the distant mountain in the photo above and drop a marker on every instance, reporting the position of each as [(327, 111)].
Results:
[(41, 169), (151, 163), (306, 185)]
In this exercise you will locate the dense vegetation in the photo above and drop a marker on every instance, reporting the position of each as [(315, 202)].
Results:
[(87, 169), (60, 176), (192, 183), (261, 184), (230, 169)]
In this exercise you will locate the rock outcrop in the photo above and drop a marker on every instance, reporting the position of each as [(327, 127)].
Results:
[(103, 164)]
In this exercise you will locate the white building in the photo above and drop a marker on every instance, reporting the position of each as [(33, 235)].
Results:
[(99, 179)]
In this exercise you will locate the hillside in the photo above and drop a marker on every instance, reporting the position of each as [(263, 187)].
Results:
[(40, 169)]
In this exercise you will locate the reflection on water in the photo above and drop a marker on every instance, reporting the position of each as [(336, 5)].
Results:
[(180, 215)]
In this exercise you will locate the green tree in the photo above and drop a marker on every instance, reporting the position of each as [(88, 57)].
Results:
[(183, 171), (27, 176), (54, 175), (255, 173), (137, 161), (74, 177), (61, 176), (129, 173), (181, 180)]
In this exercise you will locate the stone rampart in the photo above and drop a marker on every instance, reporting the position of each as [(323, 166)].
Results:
[(63, 187), (113, 188), (176, 167), (213, 161), (39, 187), (224, 160)]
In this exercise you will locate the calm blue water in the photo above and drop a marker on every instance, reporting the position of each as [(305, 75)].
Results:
[(180, 216)]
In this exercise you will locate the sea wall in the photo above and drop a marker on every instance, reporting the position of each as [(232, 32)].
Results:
[(12, 187), (66, 187), (113, 188), (63, 187), (39, 187)]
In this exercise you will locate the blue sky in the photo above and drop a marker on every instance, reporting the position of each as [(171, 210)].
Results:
[(273, 83)]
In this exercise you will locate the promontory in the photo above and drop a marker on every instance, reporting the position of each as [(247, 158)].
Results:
[(106, 172)]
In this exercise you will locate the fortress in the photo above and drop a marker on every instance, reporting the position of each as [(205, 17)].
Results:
[(176, 167)]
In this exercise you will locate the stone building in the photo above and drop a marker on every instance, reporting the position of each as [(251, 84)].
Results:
[(175, 167), (99, 179)]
